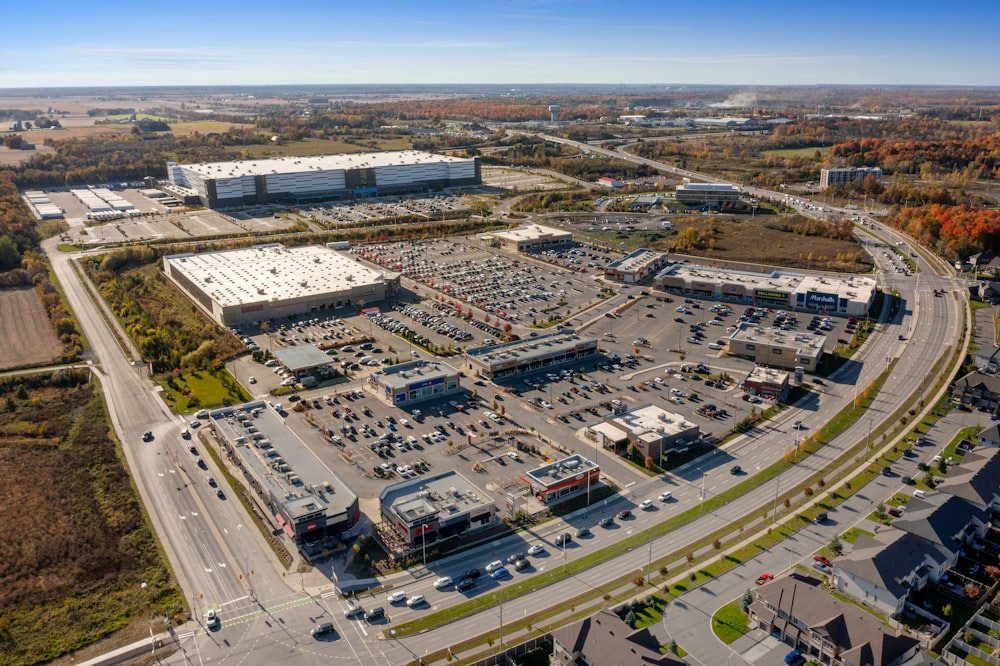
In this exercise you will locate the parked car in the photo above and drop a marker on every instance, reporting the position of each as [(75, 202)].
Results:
[(624, 514), (376, 613), (564, 539), (763, 578)]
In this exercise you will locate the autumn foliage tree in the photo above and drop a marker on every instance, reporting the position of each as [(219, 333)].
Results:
[(955, 232)]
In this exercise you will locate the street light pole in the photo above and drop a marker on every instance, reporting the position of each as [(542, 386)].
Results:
[(774, 514), (701, 507), (649, 560), (500, 597), (868, 446)]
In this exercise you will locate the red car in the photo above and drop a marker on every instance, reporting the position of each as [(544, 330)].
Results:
[(763, 578), (821, 559)]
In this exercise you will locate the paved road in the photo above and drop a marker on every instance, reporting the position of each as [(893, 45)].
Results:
[(266, 616)]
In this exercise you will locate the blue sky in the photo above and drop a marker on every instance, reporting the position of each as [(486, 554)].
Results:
[(513, 41)]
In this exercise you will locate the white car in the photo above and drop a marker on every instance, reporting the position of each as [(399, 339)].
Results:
[(211, 619), (666, 496), (537, 549), (404, 423), (646, 504), (397, 597), (443, 582), (415, 600), (252, 380)]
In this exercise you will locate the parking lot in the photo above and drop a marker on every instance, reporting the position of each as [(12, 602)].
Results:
[(364, 211), (486, 287), (523, 181)]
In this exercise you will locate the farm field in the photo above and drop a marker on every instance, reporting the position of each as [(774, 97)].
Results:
[(82, 563), (25, 329)]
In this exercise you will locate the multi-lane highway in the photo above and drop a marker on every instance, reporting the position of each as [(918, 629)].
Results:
[(266, 616)]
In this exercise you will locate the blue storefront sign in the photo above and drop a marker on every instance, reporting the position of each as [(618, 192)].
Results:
[(419, 385), (817, 299)]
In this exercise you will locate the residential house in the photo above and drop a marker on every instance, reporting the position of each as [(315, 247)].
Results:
[(798, 611), (919, 547), (603, 638), (986, 262), (989, 291), (977, 478), (988, 437), (987, 360), (881, 570), (979, 390)]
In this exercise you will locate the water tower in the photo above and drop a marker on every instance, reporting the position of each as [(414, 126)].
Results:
[(554, 112)]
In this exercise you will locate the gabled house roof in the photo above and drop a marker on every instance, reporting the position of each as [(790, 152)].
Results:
[(977, 478), (862, 639), (982, 381), (939, 519), (603, 638), (886, 559), (991, 434)]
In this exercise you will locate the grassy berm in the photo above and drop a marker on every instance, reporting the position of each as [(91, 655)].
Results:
[(77, 546)]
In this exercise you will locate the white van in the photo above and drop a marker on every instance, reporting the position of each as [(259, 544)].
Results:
[(919, 494)]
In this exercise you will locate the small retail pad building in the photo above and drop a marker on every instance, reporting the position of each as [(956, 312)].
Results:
[(267, 281), (291, 486), (431, 508), (562, 479), (409, 383), (511, 358), (654, 431), (527, 238), (777, 348)]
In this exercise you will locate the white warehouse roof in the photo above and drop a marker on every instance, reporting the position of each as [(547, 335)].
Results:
[(297, 164), (272, 272)]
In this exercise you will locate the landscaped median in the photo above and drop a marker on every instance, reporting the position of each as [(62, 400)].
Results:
[(716, 565), (837, 425)]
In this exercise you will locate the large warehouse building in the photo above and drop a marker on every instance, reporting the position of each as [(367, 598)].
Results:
[(297, 179), (267, 281)]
